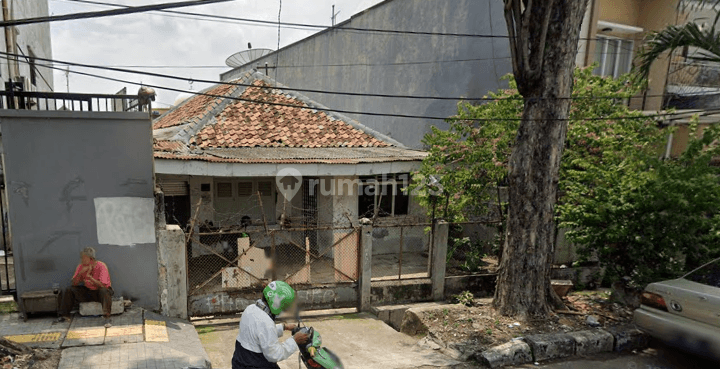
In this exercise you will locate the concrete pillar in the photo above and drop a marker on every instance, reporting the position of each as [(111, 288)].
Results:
[(172, 272), (364, 282), (439, 257)]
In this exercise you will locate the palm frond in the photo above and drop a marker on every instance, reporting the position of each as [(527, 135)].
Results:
[(674, 37)]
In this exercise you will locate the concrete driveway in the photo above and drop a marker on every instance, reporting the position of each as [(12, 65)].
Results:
[(361, 340)]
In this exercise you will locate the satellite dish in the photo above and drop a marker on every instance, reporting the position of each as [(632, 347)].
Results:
[(243, 57)]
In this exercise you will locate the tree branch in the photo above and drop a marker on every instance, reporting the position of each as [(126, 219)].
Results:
[(526, 20), (539, 58), (510, 20)]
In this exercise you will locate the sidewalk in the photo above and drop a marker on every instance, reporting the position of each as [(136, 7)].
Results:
[(137, 339)]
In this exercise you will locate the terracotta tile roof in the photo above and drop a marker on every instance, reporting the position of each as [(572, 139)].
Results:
[(295, 155), (193, 108), (168, 146), (291, 130), (250, 124)]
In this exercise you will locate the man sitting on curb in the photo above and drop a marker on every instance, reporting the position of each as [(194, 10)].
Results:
[(96, 286)]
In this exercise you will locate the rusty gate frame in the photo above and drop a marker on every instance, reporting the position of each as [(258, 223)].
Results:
[(194, 238)]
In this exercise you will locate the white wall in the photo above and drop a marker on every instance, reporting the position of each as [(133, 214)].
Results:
[(35, 37)]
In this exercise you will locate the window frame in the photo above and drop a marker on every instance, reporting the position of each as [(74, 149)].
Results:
[(604, 41), (379, 182)]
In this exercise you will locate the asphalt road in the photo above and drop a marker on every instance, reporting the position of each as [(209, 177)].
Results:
[(658, 356)]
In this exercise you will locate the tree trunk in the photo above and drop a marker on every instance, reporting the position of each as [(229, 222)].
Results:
[(545, 79)]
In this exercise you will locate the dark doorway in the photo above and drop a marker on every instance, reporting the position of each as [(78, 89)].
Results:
[(177, 210)]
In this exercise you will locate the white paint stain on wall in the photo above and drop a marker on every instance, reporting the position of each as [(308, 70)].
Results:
[(125, 221)]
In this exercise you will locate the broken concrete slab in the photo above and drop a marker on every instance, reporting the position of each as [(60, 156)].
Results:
[(551, 346), (412, 324), (394, 315), (561, 286), (515, 352), (412, 318), (95, 308), (628, 338), (592, 342)]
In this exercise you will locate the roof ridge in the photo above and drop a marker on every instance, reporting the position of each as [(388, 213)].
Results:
[(192, 129)]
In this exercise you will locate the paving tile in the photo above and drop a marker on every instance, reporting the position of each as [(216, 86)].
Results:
[(156, 331)]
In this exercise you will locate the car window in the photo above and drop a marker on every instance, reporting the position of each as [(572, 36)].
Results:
[(708, 274)]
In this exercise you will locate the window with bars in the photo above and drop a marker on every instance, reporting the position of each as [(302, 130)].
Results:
[(223, 189), (245, 189), (613, 55), (265, 188)]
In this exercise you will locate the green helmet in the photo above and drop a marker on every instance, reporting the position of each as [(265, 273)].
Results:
[(279, 296)]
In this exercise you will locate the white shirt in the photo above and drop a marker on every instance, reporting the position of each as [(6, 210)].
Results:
[(259, 334)]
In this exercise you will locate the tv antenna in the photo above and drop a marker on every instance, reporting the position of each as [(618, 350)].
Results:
[(334, 15)]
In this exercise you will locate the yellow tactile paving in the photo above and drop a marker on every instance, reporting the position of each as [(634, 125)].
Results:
[(156, 331), (126, 330), (39, 337), (86, 333)]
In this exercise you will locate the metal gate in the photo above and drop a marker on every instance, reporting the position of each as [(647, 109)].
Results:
[(241, 263), (7, 265)]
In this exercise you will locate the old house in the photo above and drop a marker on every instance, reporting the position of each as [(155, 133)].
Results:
[(251, 157)]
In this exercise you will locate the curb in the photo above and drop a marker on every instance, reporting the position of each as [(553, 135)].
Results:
[(541, 347)]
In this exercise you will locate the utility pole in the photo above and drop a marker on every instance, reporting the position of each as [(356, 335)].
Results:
[(67, 78), (9, 44), (334, 15)]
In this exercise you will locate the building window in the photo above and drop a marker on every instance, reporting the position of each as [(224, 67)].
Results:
[(265, 188), (245, 189), (388, 195), (613, 55), (224, 189)]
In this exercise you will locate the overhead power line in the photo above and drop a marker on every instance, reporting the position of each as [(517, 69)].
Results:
[(107, 13), (344, 93), (338, 27), (666, 116)]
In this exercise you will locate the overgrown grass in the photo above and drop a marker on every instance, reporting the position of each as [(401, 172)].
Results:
[(8, 307)]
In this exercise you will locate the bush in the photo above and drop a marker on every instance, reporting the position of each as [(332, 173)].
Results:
[(645, 218)]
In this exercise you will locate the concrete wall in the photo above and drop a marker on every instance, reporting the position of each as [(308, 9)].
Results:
[(35, 37), (60, 169), (306, 64), (172, 270)]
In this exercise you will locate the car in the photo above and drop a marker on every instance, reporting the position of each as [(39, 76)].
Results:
[(685, 312)]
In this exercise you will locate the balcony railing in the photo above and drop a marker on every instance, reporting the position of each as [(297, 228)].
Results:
[(26, 100), (694, 74)]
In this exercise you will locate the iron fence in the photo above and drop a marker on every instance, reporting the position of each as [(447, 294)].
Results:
[(401, 251), (224, 261), (7, 264)]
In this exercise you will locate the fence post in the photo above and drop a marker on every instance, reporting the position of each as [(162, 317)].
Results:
[(364, 282), (439, 257)]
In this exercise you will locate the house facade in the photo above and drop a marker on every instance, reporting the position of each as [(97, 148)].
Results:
[(614, 30), (252, 156)]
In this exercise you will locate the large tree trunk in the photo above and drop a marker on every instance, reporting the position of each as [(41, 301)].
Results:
[(544, 40)]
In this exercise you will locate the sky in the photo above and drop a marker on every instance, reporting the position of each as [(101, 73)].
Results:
[(158, 39)]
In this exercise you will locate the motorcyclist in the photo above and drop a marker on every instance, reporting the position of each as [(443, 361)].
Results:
[(257, 344)]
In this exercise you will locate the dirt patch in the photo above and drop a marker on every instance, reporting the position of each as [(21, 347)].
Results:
[(17, 356), (481, 327), (461, 264)]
